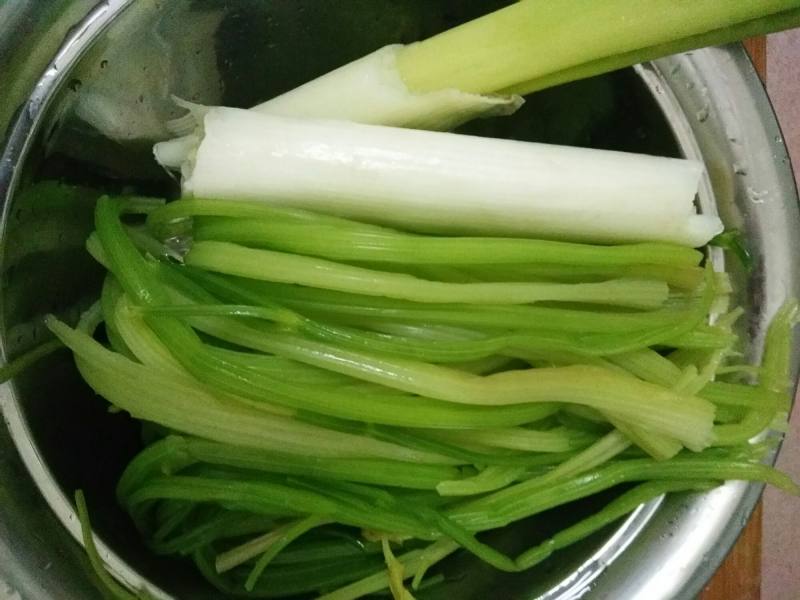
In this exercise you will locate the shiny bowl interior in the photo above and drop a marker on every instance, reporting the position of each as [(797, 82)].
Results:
[(92, 119)]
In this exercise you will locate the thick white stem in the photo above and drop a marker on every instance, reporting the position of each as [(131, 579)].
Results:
[(371, 90), (443, 182)]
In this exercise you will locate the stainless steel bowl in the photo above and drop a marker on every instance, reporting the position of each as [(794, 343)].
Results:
[(86, 91)]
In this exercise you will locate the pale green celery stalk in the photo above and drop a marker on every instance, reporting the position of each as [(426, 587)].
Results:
[(95, 249), (149, 245), (267, 497), (727, 415), (13, 368), (649, 365), (153, 396), (372, 406), (291, 533), (736, 394), (732, 369), (491, 478), (382, 244), (725, 35), (225, 525), (170, 516), (512, 317), (774, 383), (148, 349), (685, 418), (592, 457), (518, 438), (370, 470), (241, 553), (483, 366), (414, 562), (703, 337), (309, 578), (659, 446), (109, 296), (142, 342), (140, 283), (755, 421), (474, 456), (396, 572), (672, 327), (683, 277), (776, 362), (616, 509), (177, 217), (709, 365), (110, 585), (697, 353), (267, 265), (536, 333), (443, 351), (583, 349), (526, 499), (439, 347), (530, 39), (283, 368)]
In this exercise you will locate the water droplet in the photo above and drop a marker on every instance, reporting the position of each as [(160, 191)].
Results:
[(702, 114), (739, 169), (757, 196), (103, 64), (75, 84), (778, 139), (689, 85), (675, 68)]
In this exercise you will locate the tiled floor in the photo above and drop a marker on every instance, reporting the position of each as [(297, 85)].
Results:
[(781, 555)]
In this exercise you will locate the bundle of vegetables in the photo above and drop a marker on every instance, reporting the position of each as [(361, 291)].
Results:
[(375, 344), (324, 396)]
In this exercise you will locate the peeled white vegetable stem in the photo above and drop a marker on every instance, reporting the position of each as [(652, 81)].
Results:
[(442, 182)]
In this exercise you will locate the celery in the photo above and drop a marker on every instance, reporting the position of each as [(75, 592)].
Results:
[(381, 387), (296, 418), (530, 40), (21, 363), (444, 182), (267, 265), (617, 508), (342, 240)]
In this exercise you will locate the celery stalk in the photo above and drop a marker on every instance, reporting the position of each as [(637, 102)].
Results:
[(445, 182), (532, 39), (268, 265)]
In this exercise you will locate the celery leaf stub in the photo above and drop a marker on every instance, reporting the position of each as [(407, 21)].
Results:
[(444, 182)]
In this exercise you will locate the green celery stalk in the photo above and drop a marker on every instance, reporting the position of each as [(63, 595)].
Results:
[(616, 509), (382, 244), (232, 259), (724, 35), (530, 40)]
